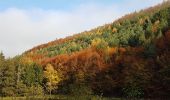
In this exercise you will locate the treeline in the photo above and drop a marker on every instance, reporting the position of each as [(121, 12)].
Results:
[(132, 72), (128, 58), (20, 79)]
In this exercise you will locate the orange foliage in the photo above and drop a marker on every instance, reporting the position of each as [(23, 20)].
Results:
[(135, 50), (86, 60), (112, 50), (122, 50), (123, 66)]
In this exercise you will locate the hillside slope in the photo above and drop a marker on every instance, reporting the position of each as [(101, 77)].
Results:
[(129, 57), (145, 25)]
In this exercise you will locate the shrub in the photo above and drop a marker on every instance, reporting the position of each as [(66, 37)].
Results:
[(80, 89), (133, 92)]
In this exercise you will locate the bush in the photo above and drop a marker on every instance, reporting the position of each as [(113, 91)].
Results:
[(80, 89), (133, 92), (35, 91)]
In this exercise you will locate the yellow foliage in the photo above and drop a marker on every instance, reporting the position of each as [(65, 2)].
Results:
[(99, 32), (52, 76), (141, 21), (96, 41), (114, 30), (27, 60), (155, 26), (73, 44), (109, 27)]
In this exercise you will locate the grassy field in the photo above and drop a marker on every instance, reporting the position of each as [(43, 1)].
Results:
[(59, 97)]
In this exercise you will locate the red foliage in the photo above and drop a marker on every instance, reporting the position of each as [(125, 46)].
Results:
[(125, 66)]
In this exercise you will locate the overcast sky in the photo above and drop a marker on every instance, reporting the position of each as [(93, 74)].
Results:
[(27, 23)]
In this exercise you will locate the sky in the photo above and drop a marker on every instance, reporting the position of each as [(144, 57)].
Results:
[(28, 23)]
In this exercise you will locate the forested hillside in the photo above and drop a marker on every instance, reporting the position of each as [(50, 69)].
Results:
[(127, 58), (135, 29)]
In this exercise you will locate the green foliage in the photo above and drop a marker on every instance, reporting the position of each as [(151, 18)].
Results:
[(102, 45), (163, 26), (80, 89), (7, 78), (106, 34), (134, 30), (106, 68), (73, 47), (134, 41), (113, 42), (133, 92), (21, 89), (2, 56), (35, 90), (164, 14), (148, 32), (150, 50), (33, 74)]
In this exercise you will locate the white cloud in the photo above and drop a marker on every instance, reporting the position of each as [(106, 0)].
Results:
[(22, 29)]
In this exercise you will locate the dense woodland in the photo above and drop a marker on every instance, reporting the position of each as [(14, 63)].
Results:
[(127, 58)]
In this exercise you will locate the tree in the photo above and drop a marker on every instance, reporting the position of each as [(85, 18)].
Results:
[(113, 41), (134, 41), (7, 78), (1, 72), (137, 40), (2, 56), (72, 47), (149, 33), (99, 44), (52, 77), (33, 77), (150, 50)]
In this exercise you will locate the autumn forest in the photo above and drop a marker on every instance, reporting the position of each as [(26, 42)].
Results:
[(129, 58)]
